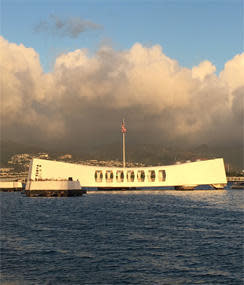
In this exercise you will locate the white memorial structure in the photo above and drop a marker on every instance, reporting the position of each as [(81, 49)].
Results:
[(182, 176), (186, 175)]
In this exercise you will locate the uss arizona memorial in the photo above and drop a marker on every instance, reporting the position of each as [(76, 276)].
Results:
[(182, 176), (46, 175)]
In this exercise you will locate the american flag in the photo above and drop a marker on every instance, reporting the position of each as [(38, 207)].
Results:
[(123, 128)]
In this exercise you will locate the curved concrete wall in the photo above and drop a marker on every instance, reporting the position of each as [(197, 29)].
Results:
[(191, 173)]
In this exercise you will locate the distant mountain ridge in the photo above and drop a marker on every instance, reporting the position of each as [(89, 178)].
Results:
[(9, 148), (145, 153)]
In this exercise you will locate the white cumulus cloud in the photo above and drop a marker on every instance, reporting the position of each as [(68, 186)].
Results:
[(85, 97)]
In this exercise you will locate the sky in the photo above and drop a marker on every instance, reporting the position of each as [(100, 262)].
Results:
[(188, 31), (71, 70)]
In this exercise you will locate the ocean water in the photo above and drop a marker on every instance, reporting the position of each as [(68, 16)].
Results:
[(160, 237)]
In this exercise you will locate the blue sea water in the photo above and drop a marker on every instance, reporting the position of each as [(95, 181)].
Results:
[(160, 237)]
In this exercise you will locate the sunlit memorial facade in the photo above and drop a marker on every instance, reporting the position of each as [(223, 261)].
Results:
[(181, 176)]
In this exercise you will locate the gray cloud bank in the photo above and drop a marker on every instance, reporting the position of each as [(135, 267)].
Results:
[(70, 27), (83, 100)]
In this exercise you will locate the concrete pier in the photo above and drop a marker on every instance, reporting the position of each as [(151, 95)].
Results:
[(53, 188)]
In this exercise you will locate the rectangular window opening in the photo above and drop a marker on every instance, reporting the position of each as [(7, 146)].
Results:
[(130, 176), (98, 176), (141, 175), (151, 175), (120, 176), (161, 175)]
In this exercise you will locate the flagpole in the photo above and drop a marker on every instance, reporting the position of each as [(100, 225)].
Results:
[(123, 149), (123, 136)]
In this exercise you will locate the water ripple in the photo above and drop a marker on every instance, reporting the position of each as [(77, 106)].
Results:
[(164, 237)]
